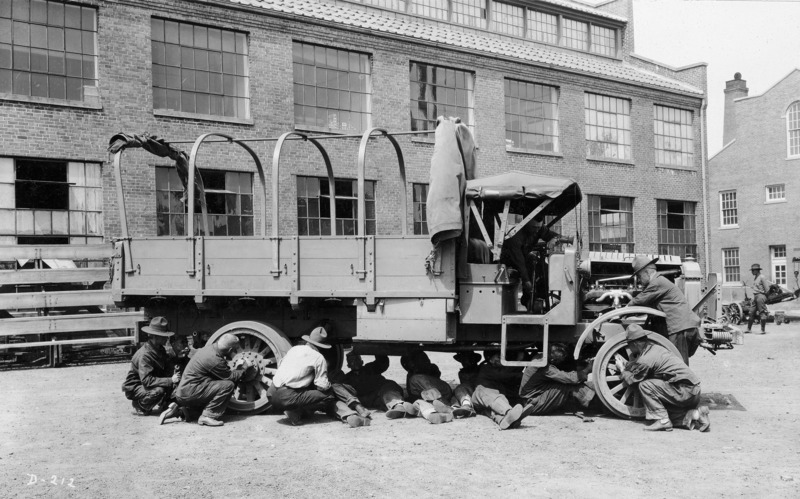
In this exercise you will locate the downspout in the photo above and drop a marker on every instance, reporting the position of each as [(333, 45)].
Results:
[(704, 172)]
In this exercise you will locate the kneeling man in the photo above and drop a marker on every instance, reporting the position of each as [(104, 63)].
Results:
[(150, 380)]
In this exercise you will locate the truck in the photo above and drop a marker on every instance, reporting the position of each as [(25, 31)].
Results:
[(392, 293)]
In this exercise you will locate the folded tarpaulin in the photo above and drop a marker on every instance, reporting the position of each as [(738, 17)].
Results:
[(452, 164)]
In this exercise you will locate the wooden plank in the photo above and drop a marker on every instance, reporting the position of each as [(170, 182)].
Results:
[(50, 276), (239, 249), (157, 248), (165, 267), (329, 247), (86, 341), (55, 299), (247, 283), (69, 323), (56, 251)]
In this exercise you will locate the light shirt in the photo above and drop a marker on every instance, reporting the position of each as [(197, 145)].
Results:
[(301, 367), (761, 285)]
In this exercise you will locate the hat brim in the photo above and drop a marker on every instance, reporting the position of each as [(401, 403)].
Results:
[(651, 262), (308, 339), (149, 330)]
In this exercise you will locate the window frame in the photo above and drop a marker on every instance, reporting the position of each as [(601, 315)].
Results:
[(626, 246), (778, 262), (513, 90), (733, 262), (323, 202), (665, 123), (663, 229), (793, 130), (728, 202), (768, 200), (419, 206), (594, 121), (448, 72)]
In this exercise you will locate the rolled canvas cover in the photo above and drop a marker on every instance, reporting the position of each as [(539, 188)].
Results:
[(452, 164)]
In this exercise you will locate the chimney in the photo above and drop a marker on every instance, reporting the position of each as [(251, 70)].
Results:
[(734, 89)]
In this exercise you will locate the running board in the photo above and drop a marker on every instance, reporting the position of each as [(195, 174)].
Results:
[(539, 360)]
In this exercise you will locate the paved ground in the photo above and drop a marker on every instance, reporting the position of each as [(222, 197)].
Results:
[(69, 432)]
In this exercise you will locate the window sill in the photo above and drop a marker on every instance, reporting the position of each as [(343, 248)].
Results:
[(52, 102), (676, 167), (621, 162), (793, 158), (777, 201), (532, 152), (729, 227), (168, 113)]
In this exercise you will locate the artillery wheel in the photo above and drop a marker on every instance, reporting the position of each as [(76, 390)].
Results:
[(262, 345), (623, 401), (733, 314)]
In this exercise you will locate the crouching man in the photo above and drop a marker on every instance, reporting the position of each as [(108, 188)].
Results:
[(670, 390), (552, 388), (151, 380), (208, 382), (301, 385)]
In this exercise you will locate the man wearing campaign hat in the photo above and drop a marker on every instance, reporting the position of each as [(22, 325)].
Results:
[(660, 293), (301, 385), (670, 390), (150, 379), (760, 288)]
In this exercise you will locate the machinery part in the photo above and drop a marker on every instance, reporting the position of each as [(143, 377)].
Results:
[(733, 314), (263, 346), (623, 401), (619, 312)]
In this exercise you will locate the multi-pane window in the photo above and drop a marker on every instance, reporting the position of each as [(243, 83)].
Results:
[(575, 34), (531, 116), (420, 199), (314, 208), (387, 4), (677, 234), (730, 265), (47, 49), (608, 127), (604, 40), (793, 129), (543, 27), (199, 69), (776, 193), (469, 12), (611, 224), (50, 202), (728, 209), (778, 259), (674, 136), (435, 9), (508, 19), (439, 91), (331, 87), (229, 203)]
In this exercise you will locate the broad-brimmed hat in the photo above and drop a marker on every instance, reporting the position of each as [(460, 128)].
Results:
[(318, 337), (755, 266), (158, 326), (467, 357), (636, 332), (640, 262)]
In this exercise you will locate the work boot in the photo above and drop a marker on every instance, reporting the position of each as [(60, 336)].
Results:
[(411, 410), (511, 417), (465, 411), (172, 411), (354, 420), (441, 407), (295, 417), (526, 411), (763, 326), (660, 425), (138, 410), (397, 411), (439, 417), (207, 421), (703, 421)]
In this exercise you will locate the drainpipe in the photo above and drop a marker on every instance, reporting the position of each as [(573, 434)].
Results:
[(704, 172)]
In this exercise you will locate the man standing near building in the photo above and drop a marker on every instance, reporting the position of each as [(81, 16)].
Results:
[(552, 387), (760, 288), (208, 382), (150, 380), (662, 294), (670, 390)]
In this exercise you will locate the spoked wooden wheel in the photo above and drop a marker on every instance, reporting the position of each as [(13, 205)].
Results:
[(263, 346), (624, 401)]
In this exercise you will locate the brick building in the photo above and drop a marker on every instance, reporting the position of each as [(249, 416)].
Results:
[(754, 182), (547, 86)]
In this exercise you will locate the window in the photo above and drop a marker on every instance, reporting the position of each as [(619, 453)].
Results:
[(470, 12), (793, 129), (674, 136), (604, 41), (776, 193), (313, 206), (611, 224), (730, 266), (531, 116), (47, 49), (508, 19), (608, 127), (778, 260), (331, 87), (50, 202), (439, 91), (435, 9), (420, 200), (676, 228), (729, 216), (543, 27), (229, 203), (575, 34), (199, 69), (387, 4)]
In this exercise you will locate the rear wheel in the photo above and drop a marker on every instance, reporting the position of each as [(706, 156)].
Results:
[(264, 346)]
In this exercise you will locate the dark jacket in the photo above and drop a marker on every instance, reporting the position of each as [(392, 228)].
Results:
[(207, 364), (504, 379), (150, 367), (660, 293), (536, 380), (656, 362), (369, 378)]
